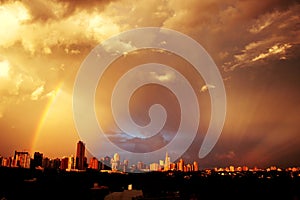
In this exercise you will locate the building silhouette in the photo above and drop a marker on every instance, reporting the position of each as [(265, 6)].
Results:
[(80, 156), (105, 163), (64, 163), (37, 160)]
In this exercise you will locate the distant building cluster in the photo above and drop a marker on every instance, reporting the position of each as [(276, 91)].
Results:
[(79, 162), (22, 159)]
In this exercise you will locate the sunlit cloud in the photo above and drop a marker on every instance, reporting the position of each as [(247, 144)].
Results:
[(47, 50), (256, 51), (37, 93), (99, 27), (51, 94), (4, 69), (13, 17), (207, 87), (263, 22), (17, 85), (276, 49), (82, 27), (117, 46), (270, 35), (164, 76), (72, 51)]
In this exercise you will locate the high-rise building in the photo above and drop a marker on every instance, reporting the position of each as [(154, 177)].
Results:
[(55, 163), (21, 159), (80, 156), (71, 163), (154, 167), (115, 162), (106, 165), (188, 168), (180, 165), (125, 165), (167, 162), (196, 166), (172, 166), (94, 163), (64, 163), (140, 165), (5, 162), (37, 159), (46, 162), (161, 165)]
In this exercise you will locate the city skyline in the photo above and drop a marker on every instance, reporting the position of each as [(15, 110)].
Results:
[(80, 161), (255, 45), (113, 163)]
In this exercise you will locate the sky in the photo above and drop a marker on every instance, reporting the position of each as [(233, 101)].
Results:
[(254, 44)]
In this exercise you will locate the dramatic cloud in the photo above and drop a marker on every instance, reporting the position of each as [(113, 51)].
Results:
[(81, 27), (13, 16), (256, 46), (270, 36)]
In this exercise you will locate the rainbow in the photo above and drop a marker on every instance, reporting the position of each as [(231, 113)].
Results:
[(44, 116)]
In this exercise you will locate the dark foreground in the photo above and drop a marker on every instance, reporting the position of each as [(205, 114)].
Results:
[(52, 184)]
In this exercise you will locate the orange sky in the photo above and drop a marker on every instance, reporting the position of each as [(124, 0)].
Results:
[(255, 45)]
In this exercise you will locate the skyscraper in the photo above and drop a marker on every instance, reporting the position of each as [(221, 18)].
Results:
[(167, 162), (37, 159), (71, 163), (80, 155), (180, 165), (64, 163), (21, 159), (196, 166), (94, 163), (106, 163), (125, 165), (115, 162)]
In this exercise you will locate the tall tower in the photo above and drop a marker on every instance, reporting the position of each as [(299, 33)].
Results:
[(167, 162), (80, 154)]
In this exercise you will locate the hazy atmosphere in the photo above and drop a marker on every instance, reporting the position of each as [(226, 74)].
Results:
[(255, 45)]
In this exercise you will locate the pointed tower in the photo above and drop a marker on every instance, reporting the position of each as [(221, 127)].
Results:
[(167, 162)]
